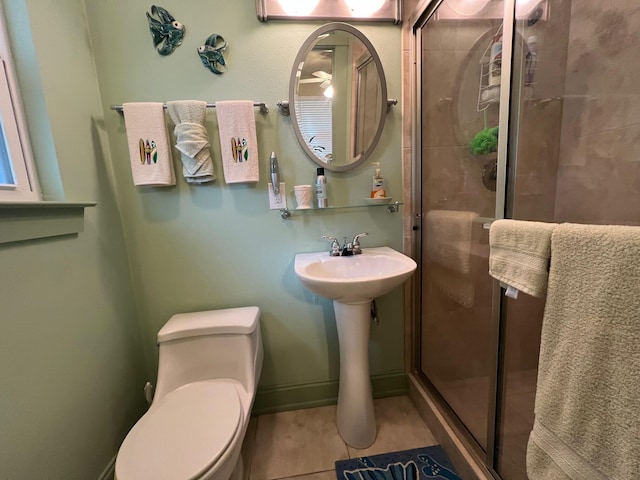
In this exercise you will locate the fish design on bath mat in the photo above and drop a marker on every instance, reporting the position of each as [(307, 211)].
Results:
[(166, 31), (211, 53), (424, 463), (148, 152), (240, 150), (434, 470), (395, 471)]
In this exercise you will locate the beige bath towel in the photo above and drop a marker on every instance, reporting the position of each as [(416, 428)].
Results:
[(448, 250), (587, 406), (520, 253), (238, 141)]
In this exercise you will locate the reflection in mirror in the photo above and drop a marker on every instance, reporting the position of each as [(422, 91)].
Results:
[(338, 97)]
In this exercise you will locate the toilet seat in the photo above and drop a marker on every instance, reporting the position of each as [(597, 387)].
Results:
[(183, 435)]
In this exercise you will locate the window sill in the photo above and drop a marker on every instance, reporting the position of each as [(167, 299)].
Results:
[(22, 221)]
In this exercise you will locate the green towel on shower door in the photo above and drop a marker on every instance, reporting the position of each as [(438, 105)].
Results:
[(520, 253), (587, 423)]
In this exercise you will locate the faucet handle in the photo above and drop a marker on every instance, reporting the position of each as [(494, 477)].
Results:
[(356, 243), (335, 246)]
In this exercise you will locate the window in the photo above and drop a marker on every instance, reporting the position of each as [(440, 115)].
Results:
[(315, 120), (17, 176)]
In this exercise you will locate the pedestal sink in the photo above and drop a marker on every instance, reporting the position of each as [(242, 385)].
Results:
[(352, 282)]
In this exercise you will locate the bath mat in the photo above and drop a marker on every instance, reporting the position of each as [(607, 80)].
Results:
[(417, 464)]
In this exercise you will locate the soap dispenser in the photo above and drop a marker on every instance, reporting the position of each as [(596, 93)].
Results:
[(377, 186)]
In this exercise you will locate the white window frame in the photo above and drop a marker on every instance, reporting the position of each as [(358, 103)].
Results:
[(14, 127)]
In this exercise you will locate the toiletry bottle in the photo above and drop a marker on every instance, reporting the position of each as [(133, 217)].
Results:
[(531, 61), (495, 60), (321, 189), (377, 187)]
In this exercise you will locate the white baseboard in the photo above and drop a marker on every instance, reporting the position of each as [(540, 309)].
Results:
[(109, 472)]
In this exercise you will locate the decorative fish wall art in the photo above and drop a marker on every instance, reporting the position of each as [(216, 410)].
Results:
[(166, 31), (211, 53)]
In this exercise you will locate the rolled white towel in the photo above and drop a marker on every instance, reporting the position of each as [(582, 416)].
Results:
[(192, 139)]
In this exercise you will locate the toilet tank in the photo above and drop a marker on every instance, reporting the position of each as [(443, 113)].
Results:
[(210, 345)]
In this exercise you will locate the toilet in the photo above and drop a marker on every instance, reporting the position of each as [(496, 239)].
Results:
[(208, 370)]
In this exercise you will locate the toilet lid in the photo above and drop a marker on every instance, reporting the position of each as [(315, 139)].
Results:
[(182, 435)]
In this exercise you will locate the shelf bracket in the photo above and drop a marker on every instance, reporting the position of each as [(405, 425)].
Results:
[(285, 214), (394, 207)]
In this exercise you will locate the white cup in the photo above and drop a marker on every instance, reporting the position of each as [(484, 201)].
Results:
[(303, 196)]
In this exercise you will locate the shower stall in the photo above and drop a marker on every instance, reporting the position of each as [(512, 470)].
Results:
[(524, 109)]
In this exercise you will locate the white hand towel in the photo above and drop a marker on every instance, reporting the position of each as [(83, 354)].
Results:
[(192, 139), (238, 141), (520, 252), (149, 149)]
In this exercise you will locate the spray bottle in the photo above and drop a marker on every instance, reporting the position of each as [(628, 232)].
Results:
[(321, 189)]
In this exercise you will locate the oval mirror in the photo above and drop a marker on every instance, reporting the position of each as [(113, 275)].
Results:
[(338, 97)]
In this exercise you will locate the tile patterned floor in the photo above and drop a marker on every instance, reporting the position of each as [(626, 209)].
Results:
[(304, 444)]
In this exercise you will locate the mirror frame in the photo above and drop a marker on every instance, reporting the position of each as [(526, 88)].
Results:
[(300, 57)]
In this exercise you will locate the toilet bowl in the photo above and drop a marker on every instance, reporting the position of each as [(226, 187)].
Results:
[(208, 370)]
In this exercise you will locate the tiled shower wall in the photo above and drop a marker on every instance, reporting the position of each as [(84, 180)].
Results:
[(599, 170)]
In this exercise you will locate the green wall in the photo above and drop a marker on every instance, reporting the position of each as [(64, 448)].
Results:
[(219, 245), (70, 361), (80, 313)]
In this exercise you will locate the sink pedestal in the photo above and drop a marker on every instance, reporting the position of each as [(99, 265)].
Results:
[(355, 417), (352, 283)]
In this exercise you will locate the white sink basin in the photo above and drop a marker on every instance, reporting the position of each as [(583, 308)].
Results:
[(355, 278)]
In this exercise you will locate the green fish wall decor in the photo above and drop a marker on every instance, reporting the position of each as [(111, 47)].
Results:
[(166, 31), (211, 53)]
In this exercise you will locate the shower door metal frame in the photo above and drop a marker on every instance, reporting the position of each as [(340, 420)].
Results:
[(421, 16)]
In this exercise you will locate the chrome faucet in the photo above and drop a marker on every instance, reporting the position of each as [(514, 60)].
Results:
[(348, 249), (335, 246), (355, 244)]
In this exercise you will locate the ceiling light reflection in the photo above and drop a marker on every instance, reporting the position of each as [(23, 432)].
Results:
[(328, 92)]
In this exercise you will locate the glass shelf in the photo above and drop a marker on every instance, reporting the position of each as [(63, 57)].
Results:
[(285, 213)]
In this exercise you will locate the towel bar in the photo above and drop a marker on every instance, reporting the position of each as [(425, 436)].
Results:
[(283, 106), (264, 109)]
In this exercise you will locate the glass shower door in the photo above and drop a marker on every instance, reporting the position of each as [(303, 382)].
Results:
[(573, 157), (535, 125), (460, 105)]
